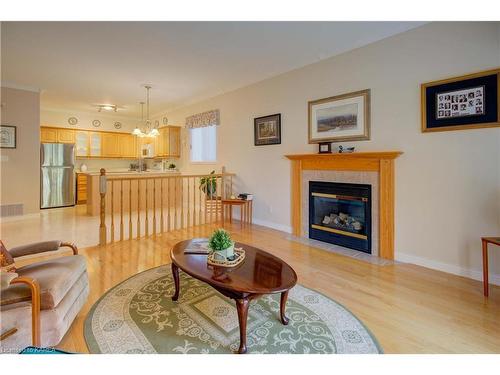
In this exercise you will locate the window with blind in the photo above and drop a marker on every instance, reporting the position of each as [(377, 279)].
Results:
[(203, 144)]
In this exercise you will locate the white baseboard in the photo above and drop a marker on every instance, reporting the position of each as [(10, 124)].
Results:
[(446, 267), (264, 223)]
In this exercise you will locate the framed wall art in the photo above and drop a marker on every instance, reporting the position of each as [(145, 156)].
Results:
[(340, 118), (467, 102), (267, 130), (8, 136)]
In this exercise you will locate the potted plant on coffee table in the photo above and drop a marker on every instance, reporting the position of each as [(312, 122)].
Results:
[(220, 242)]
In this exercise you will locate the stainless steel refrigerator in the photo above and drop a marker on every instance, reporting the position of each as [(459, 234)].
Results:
[(57, 179)]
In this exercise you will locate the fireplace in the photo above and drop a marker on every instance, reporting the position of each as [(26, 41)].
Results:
[(340, 214)]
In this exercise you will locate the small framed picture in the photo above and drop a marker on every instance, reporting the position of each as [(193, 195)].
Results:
[(8, 136), (325, 148), (267, 130), (339, 118), (466, 102)]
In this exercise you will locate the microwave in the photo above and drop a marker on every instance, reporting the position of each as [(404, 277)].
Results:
[(147, 151)]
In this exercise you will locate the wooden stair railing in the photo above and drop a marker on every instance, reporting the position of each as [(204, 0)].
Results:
[(159, 204)]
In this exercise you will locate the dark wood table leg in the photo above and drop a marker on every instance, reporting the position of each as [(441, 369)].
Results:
[(284, 297), (485, 268), (242, 307), (175, 274)]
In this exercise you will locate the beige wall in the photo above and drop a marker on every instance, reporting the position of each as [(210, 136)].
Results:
[(447, 183), (20, 167)]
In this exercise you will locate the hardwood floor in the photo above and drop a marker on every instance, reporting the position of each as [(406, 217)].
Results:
[(409, 309)]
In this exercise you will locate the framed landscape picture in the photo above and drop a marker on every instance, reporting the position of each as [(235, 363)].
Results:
[(466, 102), (7, 136), (267, 130), (340, 118)]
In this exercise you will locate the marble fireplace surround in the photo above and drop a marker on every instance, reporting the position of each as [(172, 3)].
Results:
[(374, 168)]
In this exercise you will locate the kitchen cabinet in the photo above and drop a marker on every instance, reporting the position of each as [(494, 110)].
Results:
[(81, 188), (128, 146), (95, 144), (48, 135), (168, 142), (105, 144), (65, 136), (82, 143), (111, 145), (57, 135)]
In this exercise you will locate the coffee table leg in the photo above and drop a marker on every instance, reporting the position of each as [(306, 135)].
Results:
[(242, 307), (175, 273), (283, 317)]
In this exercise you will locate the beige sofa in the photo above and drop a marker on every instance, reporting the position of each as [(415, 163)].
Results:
[(62, 286)]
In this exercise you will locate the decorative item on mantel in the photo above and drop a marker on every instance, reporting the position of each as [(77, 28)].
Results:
[(345, 150), (222, 250), (325, 148)]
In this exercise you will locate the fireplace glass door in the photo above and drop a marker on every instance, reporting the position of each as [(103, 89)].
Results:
[(340, 214)]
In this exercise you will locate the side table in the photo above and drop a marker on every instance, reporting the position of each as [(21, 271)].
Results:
[(246, 209), (486, 241)]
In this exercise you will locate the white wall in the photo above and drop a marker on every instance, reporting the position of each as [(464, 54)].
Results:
[(447, 183)]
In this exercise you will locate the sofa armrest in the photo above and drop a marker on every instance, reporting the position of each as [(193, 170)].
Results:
[(35, 307), (40, 247)]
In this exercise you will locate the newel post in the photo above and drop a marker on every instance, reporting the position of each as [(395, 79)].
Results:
[(102, 191)]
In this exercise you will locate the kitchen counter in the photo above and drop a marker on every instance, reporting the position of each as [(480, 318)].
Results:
[(129, 180)]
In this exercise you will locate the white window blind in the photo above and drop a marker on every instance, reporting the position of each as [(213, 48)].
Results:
[(203, 144)]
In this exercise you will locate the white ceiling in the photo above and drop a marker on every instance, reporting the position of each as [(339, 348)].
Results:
[(78, 64)]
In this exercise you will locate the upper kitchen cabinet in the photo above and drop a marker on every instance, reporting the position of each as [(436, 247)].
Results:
[(111, 145), (169, 142), (128, 146), (65, 136), (56, 135), (82, 143), (95, 144), (48, 135)]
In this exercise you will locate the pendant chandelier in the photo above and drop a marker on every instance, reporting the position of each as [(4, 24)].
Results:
[(145, 128)]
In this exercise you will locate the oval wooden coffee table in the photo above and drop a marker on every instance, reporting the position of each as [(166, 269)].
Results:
[(260, 273)]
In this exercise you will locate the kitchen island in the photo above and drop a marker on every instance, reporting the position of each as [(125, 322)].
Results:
[(129, 189)]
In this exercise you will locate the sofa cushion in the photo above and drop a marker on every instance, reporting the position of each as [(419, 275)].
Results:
[(55, 277)]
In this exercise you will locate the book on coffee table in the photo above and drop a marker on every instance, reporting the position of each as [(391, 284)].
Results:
[(197, 247)]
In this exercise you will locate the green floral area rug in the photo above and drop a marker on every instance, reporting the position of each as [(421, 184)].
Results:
[(138, 316)]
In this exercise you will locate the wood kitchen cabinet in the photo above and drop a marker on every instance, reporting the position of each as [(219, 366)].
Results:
[(81, 188), (82, 143), (95, 144), (48, 135), (111, 145), (128, 146), (57, 135), (105, 144), (169, 142), (65, 136)]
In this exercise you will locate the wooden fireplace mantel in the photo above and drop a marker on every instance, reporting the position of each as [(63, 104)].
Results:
[(381, 162)]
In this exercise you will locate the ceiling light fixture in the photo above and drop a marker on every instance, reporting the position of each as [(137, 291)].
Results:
[(107, 107), (144, 128)]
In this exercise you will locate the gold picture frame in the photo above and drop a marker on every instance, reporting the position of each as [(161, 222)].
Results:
[(427, 112), (340, 118)]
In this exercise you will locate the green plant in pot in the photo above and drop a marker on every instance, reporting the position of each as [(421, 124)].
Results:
[(208, 184), (221, 243)]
